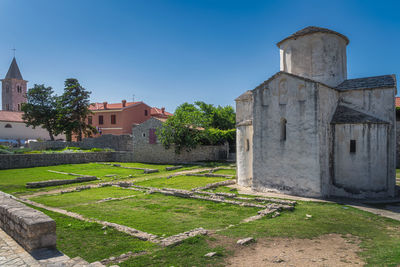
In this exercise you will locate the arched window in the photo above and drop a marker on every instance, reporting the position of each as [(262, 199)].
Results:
[(283, 129), (8, 126)]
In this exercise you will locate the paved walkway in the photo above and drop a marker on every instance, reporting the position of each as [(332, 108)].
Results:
[(12, 254)]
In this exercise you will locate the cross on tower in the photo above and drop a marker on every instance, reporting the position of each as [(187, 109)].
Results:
[(14, 50)]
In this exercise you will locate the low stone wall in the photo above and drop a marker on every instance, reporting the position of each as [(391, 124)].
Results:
[(149, 154), (116, 142), (60, 182), (156, 153), (37, 160), (31, 228)]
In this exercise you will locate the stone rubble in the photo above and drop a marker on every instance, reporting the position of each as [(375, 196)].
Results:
[(209, 175), (210, 254), (122, 257), (245, 241), (214, 185), (274, 200), (173, 168), (176, 239), (60, 182)]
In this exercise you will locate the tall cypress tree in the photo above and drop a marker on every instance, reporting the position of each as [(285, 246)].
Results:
[(74, 110)]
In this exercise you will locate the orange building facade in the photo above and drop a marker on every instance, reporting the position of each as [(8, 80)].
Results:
[(118, 118)]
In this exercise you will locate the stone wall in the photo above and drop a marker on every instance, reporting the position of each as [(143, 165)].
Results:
[(156, 153), (145, 151), (116, 142), (37, 160), (398, 144), (31, 228)]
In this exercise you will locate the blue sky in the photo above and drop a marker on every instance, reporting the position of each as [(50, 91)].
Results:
[(170, 52)]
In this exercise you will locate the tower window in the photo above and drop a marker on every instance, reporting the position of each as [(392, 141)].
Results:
[(283, 129), (90, 120), (247, 145), (145, 112), (113, 119), (352, 146), (7, 107), (7, 88), (101, 119), (19, 90), (19, 107)]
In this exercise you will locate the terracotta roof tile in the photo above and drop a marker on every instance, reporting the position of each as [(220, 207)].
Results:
[(12, 116), (100, 106), (397, 101)]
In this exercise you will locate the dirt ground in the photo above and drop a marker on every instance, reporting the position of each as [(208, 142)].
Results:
[(326, 250)]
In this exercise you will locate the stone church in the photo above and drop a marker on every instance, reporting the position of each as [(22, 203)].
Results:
[(310, 131)]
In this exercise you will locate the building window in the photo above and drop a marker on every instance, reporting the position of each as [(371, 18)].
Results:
[(113, 119), (7, 107), (101, 119), (90, 120), (283, 129), (143, 134), (18, 106), (8, 126), (145, 112), (247, 145), (352, 146), (19, 90)]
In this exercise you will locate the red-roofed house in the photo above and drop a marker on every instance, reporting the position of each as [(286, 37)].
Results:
[(118, 118)]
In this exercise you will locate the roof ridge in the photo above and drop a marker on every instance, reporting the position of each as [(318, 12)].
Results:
[(311, 30)]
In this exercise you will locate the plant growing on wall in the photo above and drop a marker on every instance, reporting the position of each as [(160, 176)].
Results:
[(41, 109)]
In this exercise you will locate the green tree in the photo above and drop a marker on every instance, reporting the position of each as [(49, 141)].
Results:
[(196, 124), (41, 109), (223, 118), (74, 110)]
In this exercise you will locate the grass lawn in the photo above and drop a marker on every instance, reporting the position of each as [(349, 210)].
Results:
[(88, 241), (155, 213), (181, 182), (226, 172), (380, 237), (167, 215), (13, 181), (190, 253)]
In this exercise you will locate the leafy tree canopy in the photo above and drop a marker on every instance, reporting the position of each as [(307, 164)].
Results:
[(41, 109), (198, 123), (74, 109)]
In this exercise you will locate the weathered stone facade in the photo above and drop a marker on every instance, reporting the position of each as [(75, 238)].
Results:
[(116, 142), (309, 131), (147, 148), (31, 228), (13, 89)]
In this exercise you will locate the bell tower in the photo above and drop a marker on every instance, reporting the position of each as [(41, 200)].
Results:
[(13, 88)]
